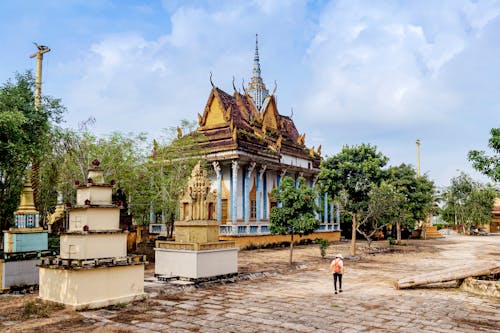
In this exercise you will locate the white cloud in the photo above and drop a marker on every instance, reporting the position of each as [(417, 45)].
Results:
[(383, 64)]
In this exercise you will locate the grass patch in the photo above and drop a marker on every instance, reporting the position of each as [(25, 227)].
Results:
[(38, 309)]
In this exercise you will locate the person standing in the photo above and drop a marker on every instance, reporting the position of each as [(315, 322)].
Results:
[(337, 266)]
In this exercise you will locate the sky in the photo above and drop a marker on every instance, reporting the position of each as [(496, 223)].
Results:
[(348, 72)]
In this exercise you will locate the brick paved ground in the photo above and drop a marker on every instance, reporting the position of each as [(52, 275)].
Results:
[(279, 298)]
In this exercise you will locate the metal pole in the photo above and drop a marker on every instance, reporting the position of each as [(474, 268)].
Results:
[(418, 157)]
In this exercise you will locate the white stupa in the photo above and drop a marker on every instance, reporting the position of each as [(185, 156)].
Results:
[(93, 269)]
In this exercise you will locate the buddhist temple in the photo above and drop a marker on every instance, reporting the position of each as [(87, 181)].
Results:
[(252, 147)]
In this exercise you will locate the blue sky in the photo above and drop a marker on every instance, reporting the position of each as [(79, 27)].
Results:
[(379, 72)]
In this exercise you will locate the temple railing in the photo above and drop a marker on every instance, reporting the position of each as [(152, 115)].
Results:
[(259, 229)]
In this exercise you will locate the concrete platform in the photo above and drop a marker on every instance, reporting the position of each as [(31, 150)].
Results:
[(90, 288), (194, 264)]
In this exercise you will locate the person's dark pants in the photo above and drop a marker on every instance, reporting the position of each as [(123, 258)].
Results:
[(337, 276)]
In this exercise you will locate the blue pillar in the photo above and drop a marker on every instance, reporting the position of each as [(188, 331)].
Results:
[(258, 200), (332, 216), (264, 197), (231, 194), (235, 191), (325, 207), (246, 195), (318, 203), (338, 214), (278, 182), (219, 195)]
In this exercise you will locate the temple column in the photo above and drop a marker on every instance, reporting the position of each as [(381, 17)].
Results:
[(248, 176), (332, 216), (234, 194), (338, 217), (264, 196), (218, 173), (325, 207), (280, 176), (258, 202)]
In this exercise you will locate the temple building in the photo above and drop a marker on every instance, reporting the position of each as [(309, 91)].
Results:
[(252, 147)]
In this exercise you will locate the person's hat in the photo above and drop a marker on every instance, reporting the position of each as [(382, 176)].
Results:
[(339, 256)]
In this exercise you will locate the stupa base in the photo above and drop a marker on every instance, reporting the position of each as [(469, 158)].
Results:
[(194, 264), (92, 288), (18, 274)]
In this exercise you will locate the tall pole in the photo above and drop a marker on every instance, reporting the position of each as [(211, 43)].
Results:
[(418, 157), (38, 83), (41, 49)]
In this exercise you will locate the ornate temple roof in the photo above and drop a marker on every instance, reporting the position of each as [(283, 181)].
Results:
[(236, 122)]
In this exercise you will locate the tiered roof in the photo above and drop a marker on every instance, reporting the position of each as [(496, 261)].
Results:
[(232, 122)]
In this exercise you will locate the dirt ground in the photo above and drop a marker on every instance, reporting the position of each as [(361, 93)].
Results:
[(371, 272)]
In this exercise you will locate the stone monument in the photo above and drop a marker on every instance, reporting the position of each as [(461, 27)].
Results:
[(196, 252), (93, 269), (23, 244)]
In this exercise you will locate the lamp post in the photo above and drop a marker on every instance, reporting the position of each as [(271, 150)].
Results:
[(418, 157)]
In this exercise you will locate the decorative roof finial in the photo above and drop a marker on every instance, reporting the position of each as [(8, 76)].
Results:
[(234, 87), (211, 82), (256, 87)]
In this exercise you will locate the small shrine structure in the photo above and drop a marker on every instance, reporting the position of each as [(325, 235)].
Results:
[(93, 269), (23, 244), (196, 252), (252, 147)]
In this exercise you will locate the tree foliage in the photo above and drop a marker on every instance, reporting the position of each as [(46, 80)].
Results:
[(417, 195), (168, 170), (467, 202), (488, 165), (295, 214), (384, 206), (122, 158), (352, 173), (24, 136)]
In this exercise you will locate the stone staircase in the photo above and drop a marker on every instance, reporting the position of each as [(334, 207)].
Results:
[(432, 232)]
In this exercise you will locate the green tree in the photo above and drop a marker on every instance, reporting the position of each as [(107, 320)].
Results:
[(488, 165), (467, 202), (353, 172), (168, 170), (24, 137), (384, 206), (295, 214), (418, 196), (121, 155)]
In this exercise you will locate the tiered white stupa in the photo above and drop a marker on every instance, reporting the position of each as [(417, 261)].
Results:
[(93, 269)]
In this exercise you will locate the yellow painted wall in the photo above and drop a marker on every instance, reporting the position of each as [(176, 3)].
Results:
[(248, 241)]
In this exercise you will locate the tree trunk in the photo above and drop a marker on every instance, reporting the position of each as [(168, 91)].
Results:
[(353, 239), (450, 274), (398, 231), (291, 249)]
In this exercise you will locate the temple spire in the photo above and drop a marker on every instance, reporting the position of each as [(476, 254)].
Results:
[(256, 87), (256, 64)]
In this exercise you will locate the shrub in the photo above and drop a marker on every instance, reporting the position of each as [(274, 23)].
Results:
[(323, 245)]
